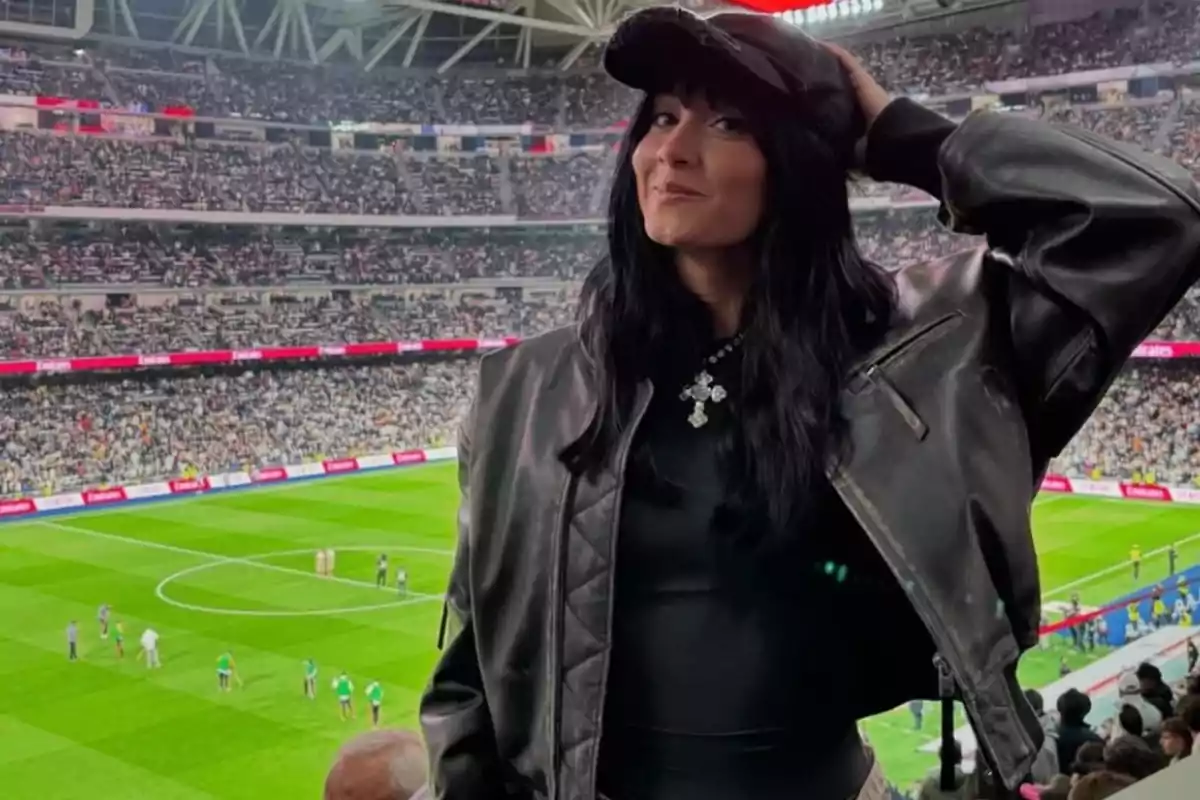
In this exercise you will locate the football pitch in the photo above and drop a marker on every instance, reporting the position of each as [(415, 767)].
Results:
[(235, 572)]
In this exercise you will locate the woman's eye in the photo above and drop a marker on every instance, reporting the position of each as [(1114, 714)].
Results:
[(730, 124), (664, 118)]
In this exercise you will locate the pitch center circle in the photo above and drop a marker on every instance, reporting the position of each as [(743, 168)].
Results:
[(259, 561)]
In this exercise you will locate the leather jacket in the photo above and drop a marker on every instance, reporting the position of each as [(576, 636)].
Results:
[(996, 357)]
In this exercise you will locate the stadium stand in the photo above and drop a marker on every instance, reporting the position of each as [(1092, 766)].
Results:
[(112, 428), (92, 265)]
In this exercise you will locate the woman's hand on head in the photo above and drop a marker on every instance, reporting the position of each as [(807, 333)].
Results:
[(872, 98)]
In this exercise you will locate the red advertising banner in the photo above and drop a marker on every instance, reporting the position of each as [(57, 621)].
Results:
[(1145, 491), (186, 485), (269, 474), (1057, 483), (95, 497), (11, 508), (192, 358), (409, 457), (1167, 350), (335, 465), (65, 103), (776, 6)]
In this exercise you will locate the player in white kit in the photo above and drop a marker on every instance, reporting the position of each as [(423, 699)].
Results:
[(150, 648)]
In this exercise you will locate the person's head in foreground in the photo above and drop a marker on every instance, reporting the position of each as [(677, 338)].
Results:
[(378, 765), (1100, 785), (1129, 723), (1176, 739), (1130, 755), (1149, 677), (1073, 707)]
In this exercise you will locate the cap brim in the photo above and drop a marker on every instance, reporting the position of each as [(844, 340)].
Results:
[(655, 49)]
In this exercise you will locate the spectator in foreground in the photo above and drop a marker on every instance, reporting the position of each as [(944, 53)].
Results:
[(1176, 739), (1045, 766), (1131, 756), (1129, 693), (1088, 759), (1100, 785), (1154, 689), (378, 765), (1073, 730), (1189, 713), (1128, 723)]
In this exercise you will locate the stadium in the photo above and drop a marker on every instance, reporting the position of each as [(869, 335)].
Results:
[(251, 253)]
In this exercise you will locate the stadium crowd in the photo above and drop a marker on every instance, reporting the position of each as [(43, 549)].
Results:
[(57, 330), (232, 257), (1157, 725), (119, 429), (45, 168), (1146, 429), (162, 172), (58, 169), (939, 64)]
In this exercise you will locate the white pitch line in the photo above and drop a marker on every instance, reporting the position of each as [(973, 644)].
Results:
[(351, 582), (161, 593), (233, 559), (1114, 568), (270, 487)]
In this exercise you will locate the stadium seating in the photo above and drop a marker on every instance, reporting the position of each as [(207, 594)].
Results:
[(939, 64), (64, 435), (220, 287)]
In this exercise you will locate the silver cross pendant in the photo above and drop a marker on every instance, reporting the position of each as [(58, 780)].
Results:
[(702, 391)]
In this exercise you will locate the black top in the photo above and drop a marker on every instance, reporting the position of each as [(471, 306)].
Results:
[(736, 666)]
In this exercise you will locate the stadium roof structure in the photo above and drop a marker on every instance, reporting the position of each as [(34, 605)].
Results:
[(434, 34)]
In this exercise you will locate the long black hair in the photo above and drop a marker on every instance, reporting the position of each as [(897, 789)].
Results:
[(813, 305)]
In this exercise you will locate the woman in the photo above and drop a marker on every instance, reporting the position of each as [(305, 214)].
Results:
[(692, 525), (1176, 739)]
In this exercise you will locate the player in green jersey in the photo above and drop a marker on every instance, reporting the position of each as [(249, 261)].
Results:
[(375, 696), (119, 638), (344, 690), (225, 670), (310, 679)]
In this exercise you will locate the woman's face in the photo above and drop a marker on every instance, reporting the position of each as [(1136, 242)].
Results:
[(700, 175), (1172, 745)]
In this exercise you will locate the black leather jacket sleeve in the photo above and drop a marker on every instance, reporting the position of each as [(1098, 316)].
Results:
[(1091, 243), (455, 720)]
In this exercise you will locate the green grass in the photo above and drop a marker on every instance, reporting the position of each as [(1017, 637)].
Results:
[(109, 729)]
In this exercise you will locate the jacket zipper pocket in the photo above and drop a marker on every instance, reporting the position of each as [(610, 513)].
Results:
[(906, 344), (898, 401)]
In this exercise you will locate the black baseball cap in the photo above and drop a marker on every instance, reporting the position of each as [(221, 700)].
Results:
[(763, 57)]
